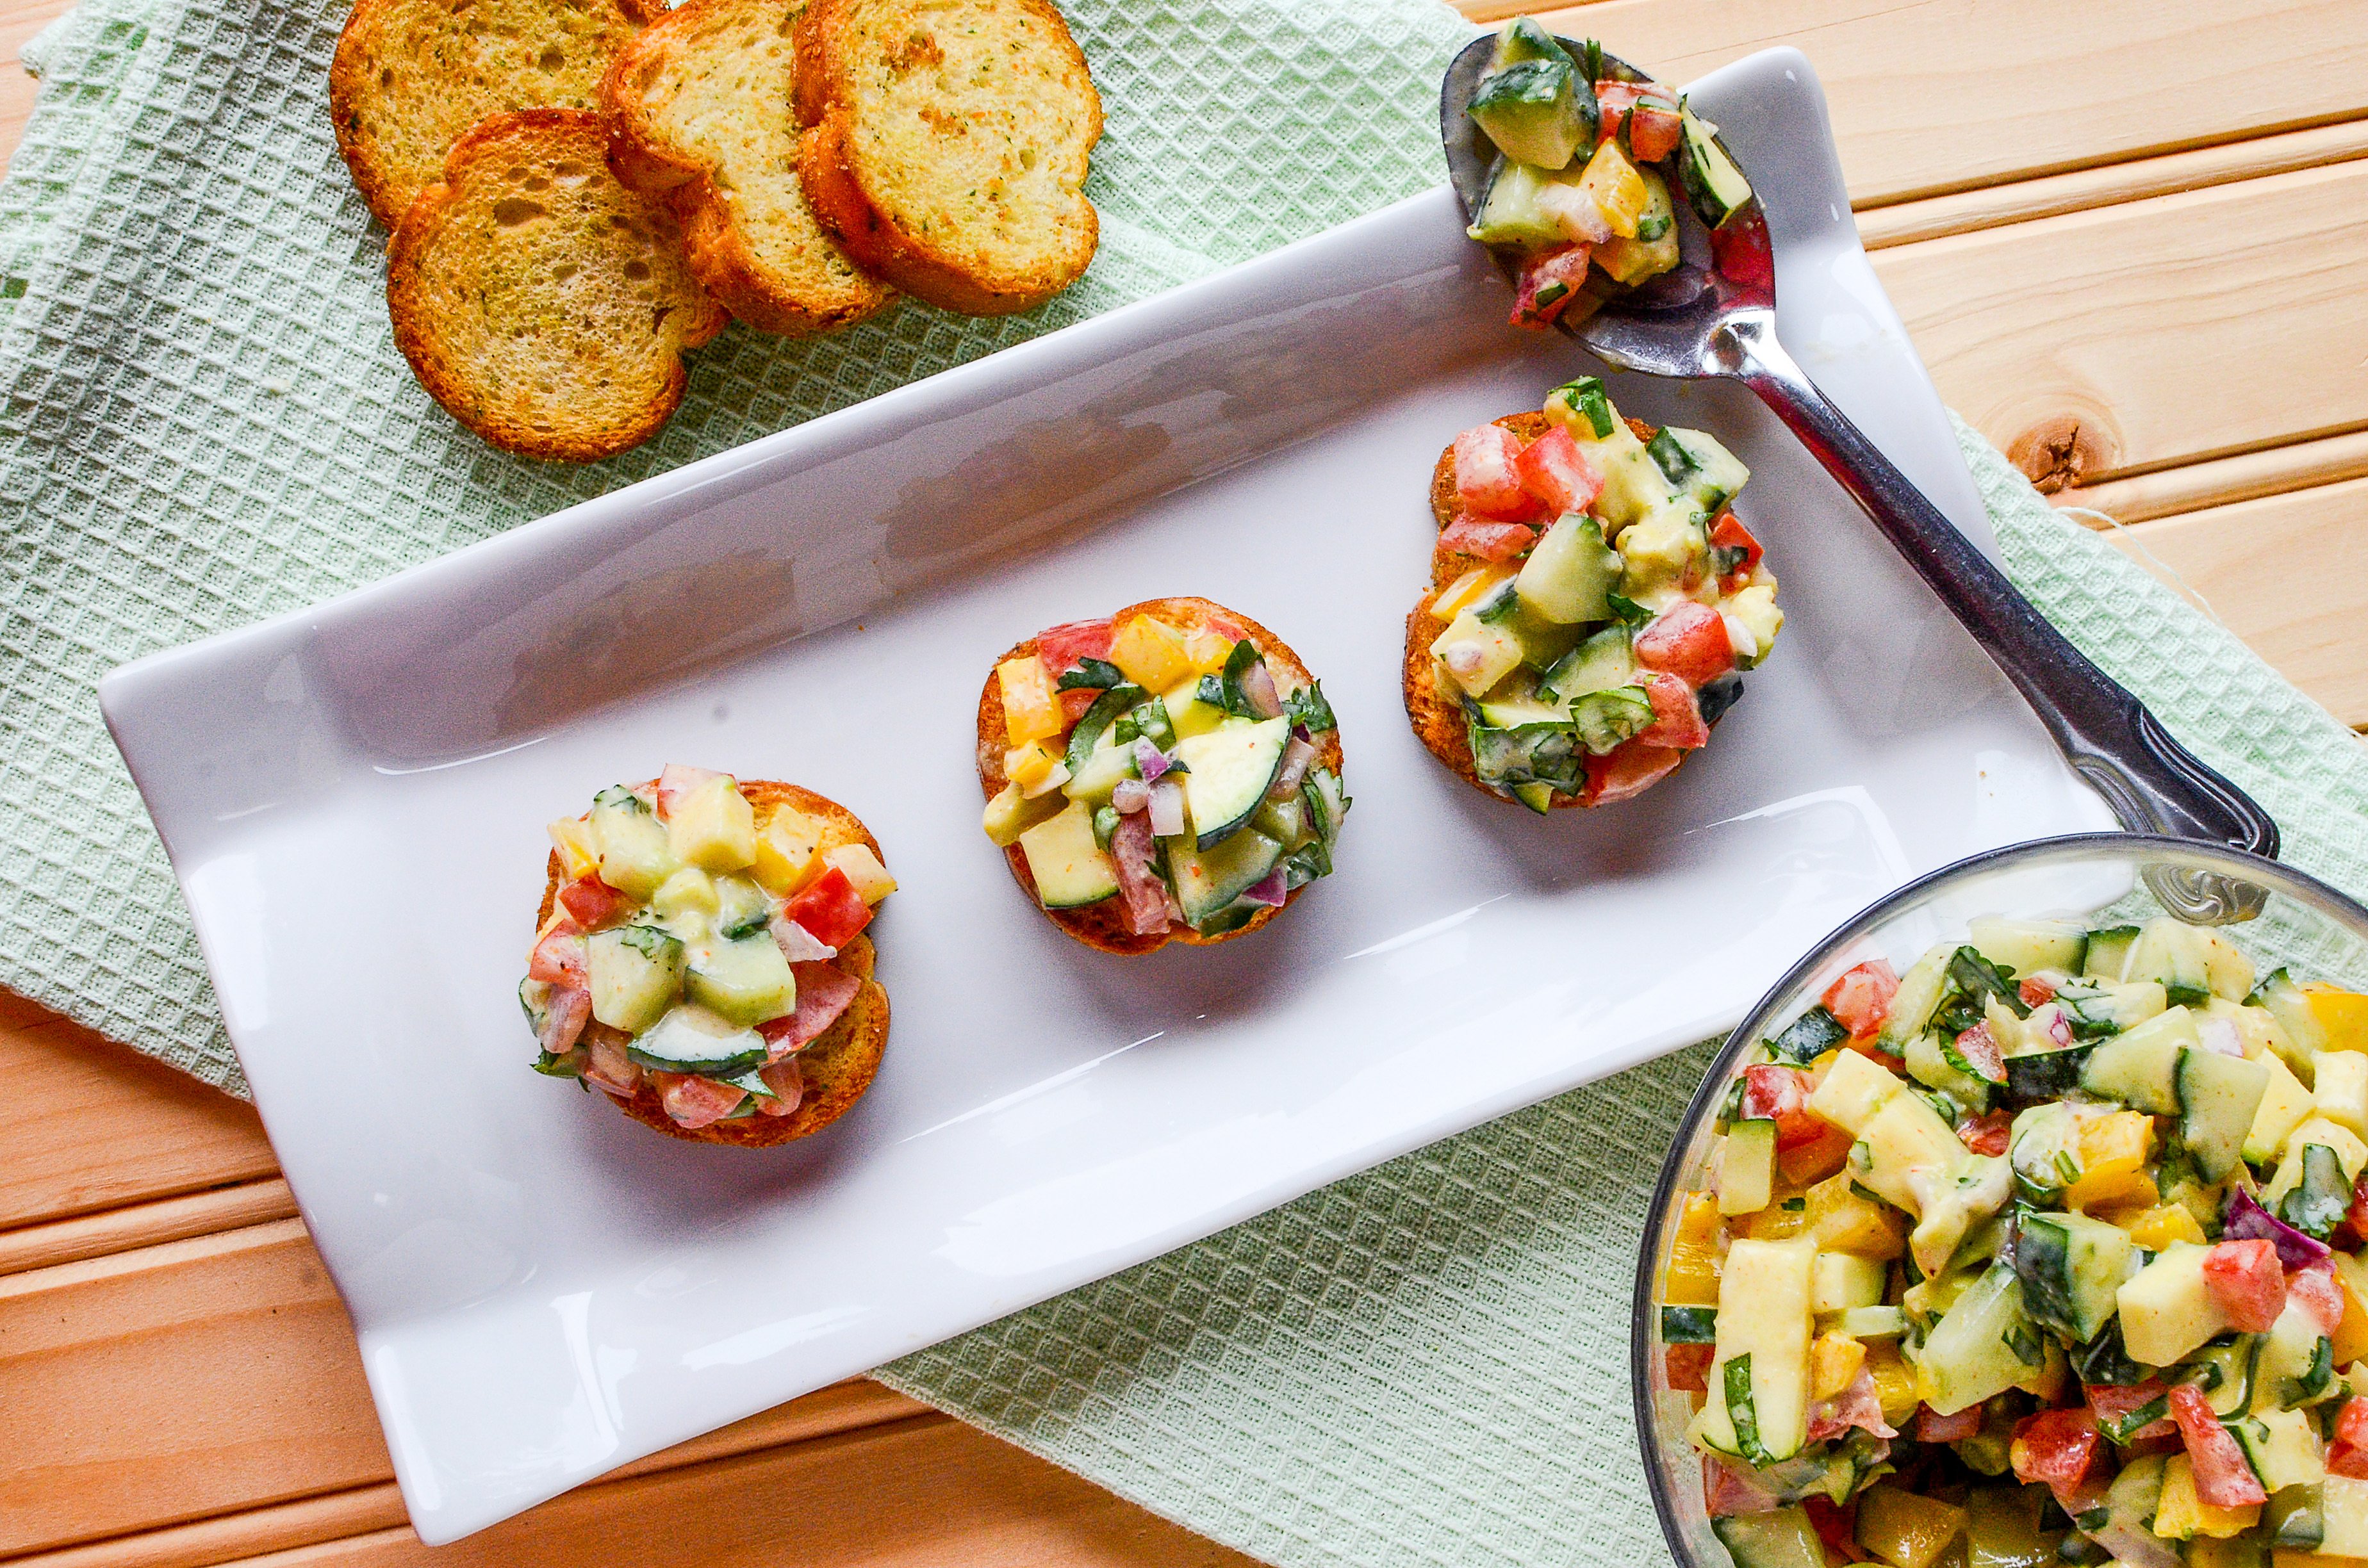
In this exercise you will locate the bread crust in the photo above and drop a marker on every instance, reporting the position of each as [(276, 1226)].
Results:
[(839, 1064), (416, 270), (1097, 924), (871, 229), (716, 246), (1437, 719), (367, 73)]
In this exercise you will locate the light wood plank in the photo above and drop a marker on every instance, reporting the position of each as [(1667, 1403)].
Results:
[(1996, 206), (2195, 486), (2155, 333), (86, 1124), (145, 1224), (2284, 573), (1934, 96), (924, 1493), (20, 20)]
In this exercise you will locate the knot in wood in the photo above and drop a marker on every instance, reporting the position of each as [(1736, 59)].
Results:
[(2063, 451)]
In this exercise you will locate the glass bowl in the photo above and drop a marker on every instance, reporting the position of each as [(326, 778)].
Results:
[(2103, 878)]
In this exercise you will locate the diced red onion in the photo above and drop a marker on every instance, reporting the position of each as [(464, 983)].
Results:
[(1270, 891), (1149, 760), (1132, 795), (2219, 1036), (1297, 758), (1167, 808), (564, 1014), (1142, 895), (2248, 1221), (797, 944), (1258, 689), (612, 1069)]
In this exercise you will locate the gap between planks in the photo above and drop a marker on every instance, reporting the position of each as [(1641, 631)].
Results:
[(145, 1224)]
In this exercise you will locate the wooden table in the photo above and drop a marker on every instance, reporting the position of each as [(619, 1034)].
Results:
[(2127, 235)]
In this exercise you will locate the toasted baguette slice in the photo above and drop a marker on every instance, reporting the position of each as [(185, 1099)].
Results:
[(947, 145), (1438, 716), (541, 302), (839, 1064), (1098, 925), (701, 111), (411, 76)]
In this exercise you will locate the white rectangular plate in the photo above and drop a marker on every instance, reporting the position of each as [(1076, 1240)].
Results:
[(354, 799)]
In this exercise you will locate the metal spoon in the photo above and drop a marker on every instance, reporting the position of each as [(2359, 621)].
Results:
[(1716, 315)]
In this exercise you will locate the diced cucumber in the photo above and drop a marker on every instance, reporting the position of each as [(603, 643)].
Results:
[(2129, 1505), (1232, 767), (2285, 1104), (1602, 662), (1983, 1345), (1093, 778), (691, 1038), (1284, 820), (2166, 1310), (1913, 1004), (1604, 719), (1475, 653), (632, 973), (1747, 1172), (1327, 804), (2027, 947), (1714, 185), (2224, 1371), (2140, 1068), (1928, 1063), (1068, 865), (2192, 963), (2043, 1146), (1763, 1320), (2296, 1365), (1537, 796), (746, 982), (742, 908), (1569, 576), (2290, 1005), (1512, 211), (1106, 711), (2319, 1194), (1712, 474), (2108, 956), (1689, 1325), (1529, 109), (2098, 1008), (1511, 712), (1809, 1036), (1842, 1280), (1523, 38), (2045, 1075), (2070, 1267), (635, 855), (1207, 880), (1543, 642), (2343, 1516), (1870, 1323), (1532, 754), (2218, 1096), (1782, 1538), (2291, 1519)]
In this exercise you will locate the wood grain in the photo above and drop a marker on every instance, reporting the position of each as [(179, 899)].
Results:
[(20, 20), (145, 1224), (2195, 486)]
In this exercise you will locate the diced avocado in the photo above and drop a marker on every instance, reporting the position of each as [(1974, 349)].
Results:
[(1529, 109), (1655, 248), (2291, 1519), (632, 973), (1913, 1004), (1781, 1538), (2218, 1096), (1746, 1170), (1601, 663), (2108, 955), (1093, 777), (2027, 947), (1231, 770), (741, 908), (712, 826), (1569, 576), (1714, 185), (1632, 484), (635, 856), (1207, 880), (2003, 1529), (1983, 1345), (746, 982), (1188, 714), (2140, 1068), (691, 1038), (2166, 1310), (1763, 1313), (1070, 868), (1475, 653), (2070, 1267)]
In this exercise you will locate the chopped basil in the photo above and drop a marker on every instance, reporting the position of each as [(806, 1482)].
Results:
[(1091, 674), (1742, 1414), (1308, 706)]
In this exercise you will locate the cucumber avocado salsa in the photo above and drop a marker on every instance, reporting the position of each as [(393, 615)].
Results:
[(2048, 1250), (1172, 772), (1594, 602), (695, 942), (1575, 192)]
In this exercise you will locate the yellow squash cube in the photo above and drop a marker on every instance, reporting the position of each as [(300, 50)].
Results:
[(1894, 1381), (1470, 589), (2113, 1152), (1905, 1528), (2155, 1229), (579, 846), (713, 827), (863, 869), (1151, 653), (1035, 769), (1834, 1363), (2340, 1088), (1031, 706), (1843, 1221), (2183, 1516), (2342, 1014), (2352, 1334), (787, 852), (1692, 1280), (1208, 650), (1617, 188)]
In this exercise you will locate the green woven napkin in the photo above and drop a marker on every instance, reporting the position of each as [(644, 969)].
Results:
[(204, 422)]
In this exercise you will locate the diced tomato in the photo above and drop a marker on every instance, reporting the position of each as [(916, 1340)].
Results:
[(593, 904), (2222, 1477), (2313, 1289), (2112, 1405), (2056, 1447), (788, 1083), (1468, 535), (1985, 1134), (1729, 534), (1677, 717), (1837, 1527), (2035, 991), (1549, 282), (1626, 770), (1932, 1427), (1727, 1489), (2248, 1284), (564, 1014), (1979, 1046), (695, 1102), (1075, 701), (2348, 1454), (1815, 1161), (1689, 641), (1142, 894), (1554, 469), (1741, 249), (677, 781), (830, 909), (1065, 647), (824, 992), (1689, 1366), (1860, 999), (1487, 482), (1652, 131), (1772, 1092), (559, 957)]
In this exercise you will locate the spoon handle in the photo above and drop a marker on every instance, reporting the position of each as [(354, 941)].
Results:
[(2152, 782)]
